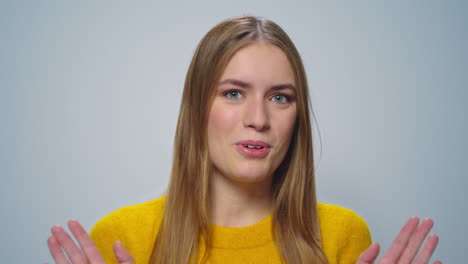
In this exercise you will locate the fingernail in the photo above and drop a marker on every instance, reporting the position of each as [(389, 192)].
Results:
[(427, 219), (119, 244), (51, 240)]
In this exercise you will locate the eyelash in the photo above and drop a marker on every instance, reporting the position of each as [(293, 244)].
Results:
[(228, 93), (286, 97)]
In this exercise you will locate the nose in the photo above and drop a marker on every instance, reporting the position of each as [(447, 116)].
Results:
[(256, 115)]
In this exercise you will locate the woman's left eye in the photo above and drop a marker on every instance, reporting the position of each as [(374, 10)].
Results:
[(280, 98)]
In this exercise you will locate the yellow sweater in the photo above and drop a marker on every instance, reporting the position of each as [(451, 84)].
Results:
[(344, 235)]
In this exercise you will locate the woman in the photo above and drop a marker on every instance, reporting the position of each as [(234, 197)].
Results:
[(242, 186)]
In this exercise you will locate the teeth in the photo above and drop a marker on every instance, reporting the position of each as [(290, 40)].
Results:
[(252, 147)]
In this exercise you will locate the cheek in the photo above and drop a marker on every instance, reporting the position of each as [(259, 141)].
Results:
[(286, 127), (221, 124), (221, 121), (289, 124)]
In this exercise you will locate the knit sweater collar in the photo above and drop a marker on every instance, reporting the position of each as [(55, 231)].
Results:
[(251, 236)]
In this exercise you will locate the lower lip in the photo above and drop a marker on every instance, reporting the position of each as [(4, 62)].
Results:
[(252, 153)]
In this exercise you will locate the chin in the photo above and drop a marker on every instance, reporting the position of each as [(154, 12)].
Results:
[(250, 175)]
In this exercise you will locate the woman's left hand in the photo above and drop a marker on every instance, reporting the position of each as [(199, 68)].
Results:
[(406, 245)]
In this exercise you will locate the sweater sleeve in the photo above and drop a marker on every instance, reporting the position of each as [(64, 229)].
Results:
[(104, 234), (356, 240)]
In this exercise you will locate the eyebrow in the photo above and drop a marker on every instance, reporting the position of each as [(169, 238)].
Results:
[(243, 84)]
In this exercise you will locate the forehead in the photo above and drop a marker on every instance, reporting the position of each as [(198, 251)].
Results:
[(260, 63)]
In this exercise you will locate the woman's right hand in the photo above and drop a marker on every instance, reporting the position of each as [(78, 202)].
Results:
[(86, 252)]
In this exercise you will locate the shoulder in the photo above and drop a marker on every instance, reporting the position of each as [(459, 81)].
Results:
[(345, 234), (339, 216), (152, 208), (131, 217), (136, 213), (135, 226)]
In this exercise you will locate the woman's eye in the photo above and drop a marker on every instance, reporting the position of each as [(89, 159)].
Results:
[(233, 95), (280, 98)]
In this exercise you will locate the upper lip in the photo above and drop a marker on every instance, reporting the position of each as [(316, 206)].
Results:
[(256, 143)]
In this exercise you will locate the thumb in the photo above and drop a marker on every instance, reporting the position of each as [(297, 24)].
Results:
[(370, 255), (121, 254)]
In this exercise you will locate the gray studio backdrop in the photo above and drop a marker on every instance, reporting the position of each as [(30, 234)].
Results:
[(90, 92)]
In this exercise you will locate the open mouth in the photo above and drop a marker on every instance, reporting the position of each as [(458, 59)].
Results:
[(252, 147), (253, 150)]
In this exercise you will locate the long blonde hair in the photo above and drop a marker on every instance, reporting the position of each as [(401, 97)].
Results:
[(185, 222)]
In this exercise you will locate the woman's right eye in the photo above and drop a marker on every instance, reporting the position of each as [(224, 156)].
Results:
[(233, 95)]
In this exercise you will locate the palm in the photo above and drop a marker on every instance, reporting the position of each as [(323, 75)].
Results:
[(87, 251), (406, 245)]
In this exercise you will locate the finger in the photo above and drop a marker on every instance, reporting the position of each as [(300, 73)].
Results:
[(122, 254), (400, 242), (437, 262), (369, 256), (56, 251), (73, 252), (427, 250), (87, 245), (416, 241)]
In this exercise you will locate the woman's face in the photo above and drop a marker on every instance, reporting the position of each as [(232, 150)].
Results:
[(253, 114)]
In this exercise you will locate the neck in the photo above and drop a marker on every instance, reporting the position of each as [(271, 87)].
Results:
[(238, 204)]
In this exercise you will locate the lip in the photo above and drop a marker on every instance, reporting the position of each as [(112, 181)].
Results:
[(253, 153)]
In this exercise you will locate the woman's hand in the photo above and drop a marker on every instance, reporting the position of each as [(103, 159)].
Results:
[(87, 251), (406, 245)]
